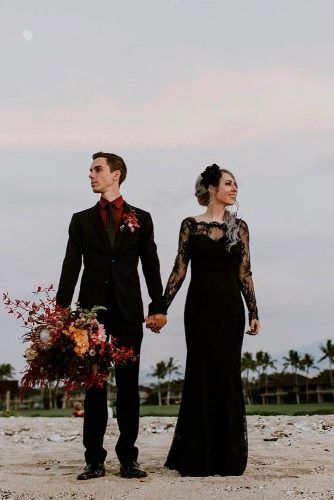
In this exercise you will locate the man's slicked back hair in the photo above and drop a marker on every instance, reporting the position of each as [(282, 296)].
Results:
[(114, 162)]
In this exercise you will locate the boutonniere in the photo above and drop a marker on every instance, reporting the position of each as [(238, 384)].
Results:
[(130, 220)]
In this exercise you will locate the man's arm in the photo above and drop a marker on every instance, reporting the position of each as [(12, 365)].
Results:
[(151, 268), (71, 265)]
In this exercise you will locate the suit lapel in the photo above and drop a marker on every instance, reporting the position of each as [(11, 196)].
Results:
[(99, 228), (101, 232), (123, 228)]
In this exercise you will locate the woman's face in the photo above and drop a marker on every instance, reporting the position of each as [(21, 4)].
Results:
[(227, 190)]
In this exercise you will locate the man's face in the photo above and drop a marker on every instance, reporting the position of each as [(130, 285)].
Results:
[(101, 178)]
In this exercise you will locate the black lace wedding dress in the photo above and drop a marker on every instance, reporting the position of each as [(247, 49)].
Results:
[(211, 434)]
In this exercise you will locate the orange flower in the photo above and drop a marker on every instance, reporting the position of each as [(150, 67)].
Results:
[(80, 338), (30, 354)]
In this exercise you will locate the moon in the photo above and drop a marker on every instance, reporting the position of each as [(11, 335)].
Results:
[(27, 35)]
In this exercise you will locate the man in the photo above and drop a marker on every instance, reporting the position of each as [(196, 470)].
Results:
[(111, 237)]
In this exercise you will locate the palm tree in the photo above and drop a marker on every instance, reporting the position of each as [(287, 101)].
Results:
[(171, 368), (307, 363), (248, 364), (51, 391), (259, 362), (294, 360), (328, 352), (267, 362), (6, 371), (159, 371), (263, 361)]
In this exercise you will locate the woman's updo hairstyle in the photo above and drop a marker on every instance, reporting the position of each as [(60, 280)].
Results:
[(210, 177)]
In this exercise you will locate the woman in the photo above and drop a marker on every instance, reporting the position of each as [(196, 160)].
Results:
[(211, 434)]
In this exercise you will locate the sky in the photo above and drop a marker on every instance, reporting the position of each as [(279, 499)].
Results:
[(173, 86)]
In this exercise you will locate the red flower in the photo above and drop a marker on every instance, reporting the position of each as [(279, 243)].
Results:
[(130, 219)]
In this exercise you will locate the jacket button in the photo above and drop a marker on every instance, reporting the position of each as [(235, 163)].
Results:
[(113, 260)]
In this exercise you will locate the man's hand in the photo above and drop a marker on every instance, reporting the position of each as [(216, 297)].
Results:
[(155, 322)]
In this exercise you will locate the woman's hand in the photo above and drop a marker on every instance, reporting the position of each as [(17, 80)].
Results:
[(155, 322), (254, 327)]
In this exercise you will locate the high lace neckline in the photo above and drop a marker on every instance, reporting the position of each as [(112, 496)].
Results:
[(210, 223)]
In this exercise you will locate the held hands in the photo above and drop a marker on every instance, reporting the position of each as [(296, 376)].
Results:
[(254, 327), (155, 322)]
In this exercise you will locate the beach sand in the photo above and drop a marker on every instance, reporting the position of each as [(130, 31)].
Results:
[(289, 457)]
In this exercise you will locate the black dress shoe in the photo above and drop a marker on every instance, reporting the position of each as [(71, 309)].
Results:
[(132, 470), (92, 471)]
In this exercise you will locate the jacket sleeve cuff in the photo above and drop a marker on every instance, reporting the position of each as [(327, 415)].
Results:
[(157, 307)]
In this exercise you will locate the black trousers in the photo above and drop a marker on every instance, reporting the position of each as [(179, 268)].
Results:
[(127, 402)]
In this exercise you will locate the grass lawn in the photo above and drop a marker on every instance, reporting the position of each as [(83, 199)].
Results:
[(172, 410), (145, 410), (272, 409), (291, 409)]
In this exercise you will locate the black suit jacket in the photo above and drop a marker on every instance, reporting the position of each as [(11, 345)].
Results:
[(105, 268)]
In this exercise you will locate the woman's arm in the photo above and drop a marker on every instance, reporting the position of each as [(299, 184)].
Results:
[(245, 276), (179, 271)]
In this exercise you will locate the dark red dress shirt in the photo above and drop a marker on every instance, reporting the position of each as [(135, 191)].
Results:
[(117, 210)]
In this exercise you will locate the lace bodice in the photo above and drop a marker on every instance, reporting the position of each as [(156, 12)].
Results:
[(215, 231)]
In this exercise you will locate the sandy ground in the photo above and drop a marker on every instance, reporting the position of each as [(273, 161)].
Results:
[(289, 457)]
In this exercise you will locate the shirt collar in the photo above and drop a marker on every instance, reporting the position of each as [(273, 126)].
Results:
[(118, 202)]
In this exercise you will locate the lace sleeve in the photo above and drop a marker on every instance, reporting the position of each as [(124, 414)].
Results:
[(245, 273), (179, 271)]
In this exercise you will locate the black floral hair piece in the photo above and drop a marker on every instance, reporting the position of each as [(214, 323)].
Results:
[(211, 176)]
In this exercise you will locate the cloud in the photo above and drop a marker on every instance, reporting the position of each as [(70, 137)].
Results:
[(210, 110)]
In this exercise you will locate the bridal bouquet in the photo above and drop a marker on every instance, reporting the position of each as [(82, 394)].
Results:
[(68, 346)]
